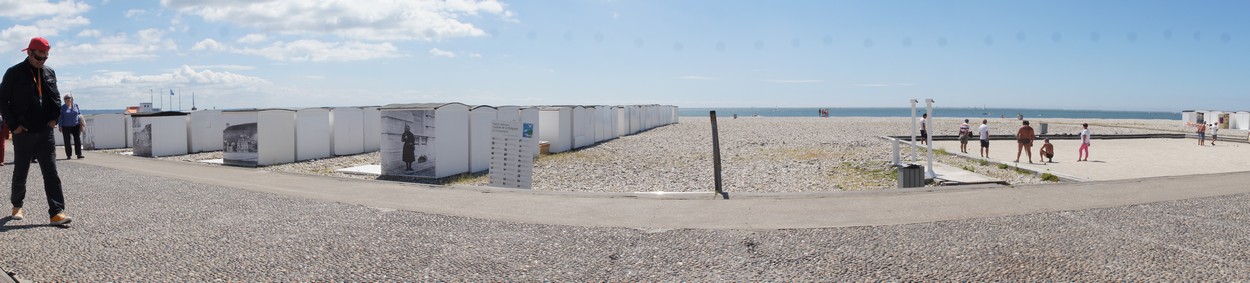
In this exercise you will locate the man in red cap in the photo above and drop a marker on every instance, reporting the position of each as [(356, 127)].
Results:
[(31, 104)]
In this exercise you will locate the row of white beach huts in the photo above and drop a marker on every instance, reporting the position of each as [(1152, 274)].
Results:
[(1239, 120), (446, 138)]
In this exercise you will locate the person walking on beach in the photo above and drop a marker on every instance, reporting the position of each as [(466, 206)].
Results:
[(984, 132), (70, 127), (30, 104), (1202, 134), (965, 131), (1215, 133), (924, 133), (1047, 151), (1024, 139), (1082, 154)]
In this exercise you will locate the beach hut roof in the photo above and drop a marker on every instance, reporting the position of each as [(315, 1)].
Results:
[(482, 106), (257, 110), (420, 105), (159, 114)]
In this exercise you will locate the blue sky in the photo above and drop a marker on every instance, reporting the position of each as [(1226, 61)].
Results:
[(1114, 55)]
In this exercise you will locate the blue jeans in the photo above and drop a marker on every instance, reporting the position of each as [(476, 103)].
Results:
[(39, 146)]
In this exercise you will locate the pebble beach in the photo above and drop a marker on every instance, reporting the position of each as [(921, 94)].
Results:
[(759, 155)]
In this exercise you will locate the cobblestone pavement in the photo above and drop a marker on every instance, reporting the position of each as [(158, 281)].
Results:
[(131, 227)]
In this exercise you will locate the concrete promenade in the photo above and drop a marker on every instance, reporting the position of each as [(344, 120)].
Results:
[(140, 219)]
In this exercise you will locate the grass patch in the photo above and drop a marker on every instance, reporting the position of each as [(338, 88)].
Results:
[(1050, 177), (941, 151), (984, 162), (1022, 171), (969, 168), (1003, 166)]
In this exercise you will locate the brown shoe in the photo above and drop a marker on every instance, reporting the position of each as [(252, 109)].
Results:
[(61, 219), (18, 214)]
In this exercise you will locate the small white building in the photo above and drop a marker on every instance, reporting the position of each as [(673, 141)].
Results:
[(425, 140), (159, 134), (347, 128), (556, 127), (204, 128), (1241, 121), (259, 137), (481, 119), (372, 119), (105, 131), (312, 134)]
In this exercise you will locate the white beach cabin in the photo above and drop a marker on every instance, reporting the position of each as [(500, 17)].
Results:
[(481, 120), (105, 131), (259, 137), (556, 127), (372, 119), (159, 134), (347, 128), (204, 128), (312, 134), (425, 140), (1241, 120)]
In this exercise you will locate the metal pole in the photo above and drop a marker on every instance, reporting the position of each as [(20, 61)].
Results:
[(913, 131), (928, 124), (896, 157), (716, 156)]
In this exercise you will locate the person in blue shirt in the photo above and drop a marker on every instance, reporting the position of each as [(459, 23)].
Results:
[(70, 127)]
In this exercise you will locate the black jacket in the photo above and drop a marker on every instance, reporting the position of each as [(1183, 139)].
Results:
[(20, 102)]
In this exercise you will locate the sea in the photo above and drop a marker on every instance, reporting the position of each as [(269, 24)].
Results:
[(937, 112)]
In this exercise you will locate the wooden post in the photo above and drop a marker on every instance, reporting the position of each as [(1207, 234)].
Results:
[(716, 157)]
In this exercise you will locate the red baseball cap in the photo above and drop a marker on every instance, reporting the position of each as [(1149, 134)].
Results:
[(38, 43)]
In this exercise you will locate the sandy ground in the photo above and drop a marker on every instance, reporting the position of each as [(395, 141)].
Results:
[(1126, 159)]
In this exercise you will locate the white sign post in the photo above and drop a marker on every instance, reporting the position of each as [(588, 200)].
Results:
[(512, 154)]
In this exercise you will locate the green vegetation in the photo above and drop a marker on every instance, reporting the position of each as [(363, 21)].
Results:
[(1003, 166), (941, 151), (969, 168), (1050, 177), (1022, 171), (984, 162)]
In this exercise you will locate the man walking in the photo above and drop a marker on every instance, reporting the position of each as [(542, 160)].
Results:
[(984, 132), (30, 104)]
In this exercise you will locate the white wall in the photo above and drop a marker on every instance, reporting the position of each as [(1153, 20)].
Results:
[(312, 134), (372, 128), (347, 129), (105, 131), (451, 140), (481, 120), (169, 134), (276, 137), (556, 127), (205, 129)]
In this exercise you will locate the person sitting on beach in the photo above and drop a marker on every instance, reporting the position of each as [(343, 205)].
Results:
[(965, 131), (924, 133), (984, 132), (1047, 151), (1024, 139)]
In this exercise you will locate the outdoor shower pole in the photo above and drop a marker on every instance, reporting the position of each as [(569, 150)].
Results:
[(913, 130), (928, 124)]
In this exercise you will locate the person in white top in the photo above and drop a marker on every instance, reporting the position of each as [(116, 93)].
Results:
[(1215, 133), (924, 133), (1084, 150), (984, 133), (964, 132)]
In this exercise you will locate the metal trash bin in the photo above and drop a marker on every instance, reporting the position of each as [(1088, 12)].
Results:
[(1043, 128), (910, 176)]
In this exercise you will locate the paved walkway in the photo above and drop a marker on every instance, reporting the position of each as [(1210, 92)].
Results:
[(702, 211), (1124, 159)]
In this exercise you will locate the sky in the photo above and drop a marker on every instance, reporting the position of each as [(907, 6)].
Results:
[(1101, 55)]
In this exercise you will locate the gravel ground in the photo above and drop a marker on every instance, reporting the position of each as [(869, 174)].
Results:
[(131, 227), (796, 154)]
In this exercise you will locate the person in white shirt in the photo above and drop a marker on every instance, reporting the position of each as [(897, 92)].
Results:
[(965, 131), (924, 133), (984, 132), (1084, 150)]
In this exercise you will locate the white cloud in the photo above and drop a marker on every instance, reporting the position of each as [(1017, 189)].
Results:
[(374, 20), (441, 53), (134, 13), (223, 67), (143, 45), (696, 78), (795, 81), (28, 9), (125, 88), (252, 38), (89, 33), (17, 37), (308, 50)]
